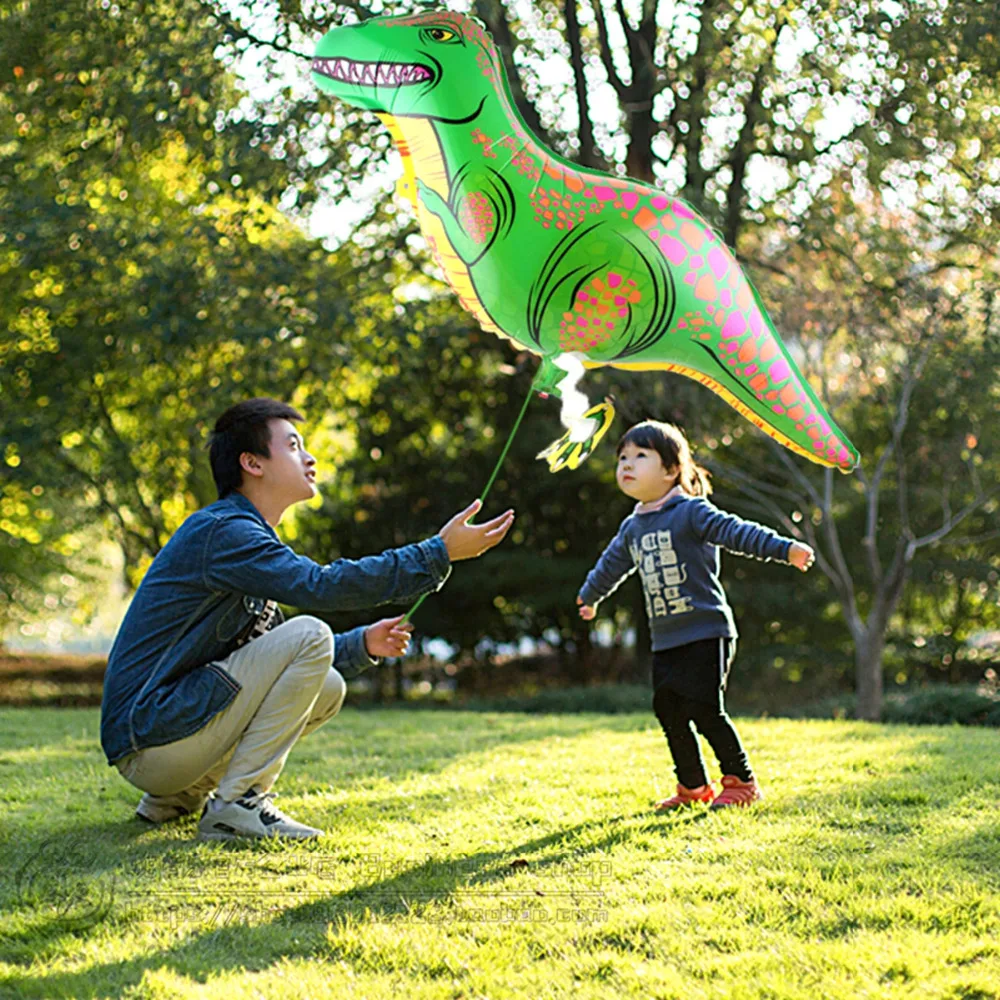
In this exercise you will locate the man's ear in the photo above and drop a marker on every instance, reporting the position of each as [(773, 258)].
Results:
[(250, 464)]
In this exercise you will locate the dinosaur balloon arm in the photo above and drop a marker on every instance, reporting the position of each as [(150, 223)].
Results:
[(464, 245), (432, 200)]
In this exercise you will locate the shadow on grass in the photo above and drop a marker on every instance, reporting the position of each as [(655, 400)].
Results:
[(481, 879), (51, 764), (887, 809)]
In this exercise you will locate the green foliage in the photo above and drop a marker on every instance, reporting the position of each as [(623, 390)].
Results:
[(149, 278), (934, 705), (943, 704), (152, 271), (35, 546)]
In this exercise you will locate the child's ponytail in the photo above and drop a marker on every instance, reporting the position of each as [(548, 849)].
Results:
[(695, 478)]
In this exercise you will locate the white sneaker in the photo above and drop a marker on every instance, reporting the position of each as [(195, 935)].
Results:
[(164, 808), (251, 815)]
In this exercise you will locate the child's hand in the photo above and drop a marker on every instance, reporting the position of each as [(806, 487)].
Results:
[(389, 637), (587, 611), (801, 556)]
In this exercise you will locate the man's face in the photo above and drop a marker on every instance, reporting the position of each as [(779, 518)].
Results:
[(290, 472)]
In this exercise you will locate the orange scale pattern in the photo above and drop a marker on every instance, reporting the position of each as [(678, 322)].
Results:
[(599, 310), (556, 209)]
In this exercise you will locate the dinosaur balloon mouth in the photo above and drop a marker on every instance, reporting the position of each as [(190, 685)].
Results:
[(372, 74)]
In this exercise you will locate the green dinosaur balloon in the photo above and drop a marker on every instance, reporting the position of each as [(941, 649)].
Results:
[(577, 266)]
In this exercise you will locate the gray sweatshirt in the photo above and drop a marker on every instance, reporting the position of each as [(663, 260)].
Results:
[(675, 548)]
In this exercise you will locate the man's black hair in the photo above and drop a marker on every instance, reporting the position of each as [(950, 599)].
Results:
[(242, 428)]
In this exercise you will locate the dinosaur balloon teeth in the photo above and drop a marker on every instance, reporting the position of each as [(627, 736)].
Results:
[(372, 73)]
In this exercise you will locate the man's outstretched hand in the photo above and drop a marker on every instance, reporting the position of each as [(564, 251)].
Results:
[(389, 637), (466, 541)]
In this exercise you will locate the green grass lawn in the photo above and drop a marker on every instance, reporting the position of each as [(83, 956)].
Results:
[(497, 855)]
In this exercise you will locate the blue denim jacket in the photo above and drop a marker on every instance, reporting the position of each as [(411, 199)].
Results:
[(201, 596)]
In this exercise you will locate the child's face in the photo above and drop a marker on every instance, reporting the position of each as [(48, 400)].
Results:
[(642, 475)]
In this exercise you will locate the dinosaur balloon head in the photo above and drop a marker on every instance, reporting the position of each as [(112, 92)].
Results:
[(435, 64), (580, 267)]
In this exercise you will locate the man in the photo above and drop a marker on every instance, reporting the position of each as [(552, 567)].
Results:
[(206, 689)]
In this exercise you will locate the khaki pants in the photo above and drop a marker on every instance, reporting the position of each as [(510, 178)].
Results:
[(288, 689)]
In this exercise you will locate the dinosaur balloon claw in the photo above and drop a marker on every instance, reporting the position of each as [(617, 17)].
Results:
[(568, 454)]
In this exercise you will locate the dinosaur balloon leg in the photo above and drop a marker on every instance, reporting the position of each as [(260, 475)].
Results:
[(577, 266)]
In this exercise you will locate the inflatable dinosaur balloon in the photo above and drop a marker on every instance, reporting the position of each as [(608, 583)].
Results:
[(577, 266)]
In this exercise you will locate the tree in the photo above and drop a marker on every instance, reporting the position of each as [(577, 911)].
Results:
[(912, 351), (153, 269), (148, 277)]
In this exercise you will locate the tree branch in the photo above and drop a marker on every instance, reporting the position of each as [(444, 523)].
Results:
[(743, 148), (127, 533), (838, 575), (152, 522), (837, 555), (237, 31), (972, 539), (604, 46), (952, 521)]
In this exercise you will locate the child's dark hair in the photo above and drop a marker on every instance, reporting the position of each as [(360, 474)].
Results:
[(242, 428), (669, 442)]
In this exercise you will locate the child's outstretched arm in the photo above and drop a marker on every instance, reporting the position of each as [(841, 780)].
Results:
[(746, 538), (614, 566)]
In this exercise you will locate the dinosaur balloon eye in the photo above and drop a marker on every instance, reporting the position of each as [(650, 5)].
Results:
[(441, 34)]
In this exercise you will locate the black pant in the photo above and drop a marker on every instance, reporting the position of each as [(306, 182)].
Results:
[(689, 683)]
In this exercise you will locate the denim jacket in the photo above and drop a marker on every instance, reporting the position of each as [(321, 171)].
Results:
[(201, 597)]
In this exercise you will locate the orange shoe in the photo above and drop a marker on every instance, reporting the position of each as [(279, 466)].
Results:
[(687, 797), (736, 792)]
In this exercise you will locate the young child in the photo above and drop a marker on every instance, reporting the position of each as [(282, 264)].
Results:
[(673, 539)]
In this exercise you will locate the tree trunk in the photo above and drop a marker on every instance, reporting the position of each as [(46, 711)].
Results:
[(868, 651), (642, 129), (589, 155), (694, 109)]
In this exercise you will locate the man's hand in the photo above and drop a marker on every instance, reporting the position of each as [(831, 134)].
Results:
[(466, 541), (801, 556), (587, 611), (389, 637)]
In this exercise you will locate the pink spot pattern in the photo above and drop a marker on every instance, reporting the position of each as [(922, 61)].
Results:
[(477, 218)]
